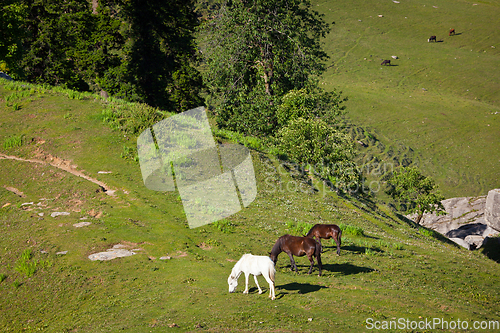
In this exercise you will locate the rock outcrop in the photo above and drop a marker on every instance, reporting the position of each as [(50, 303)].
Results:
[(492, 209), (468, 221)]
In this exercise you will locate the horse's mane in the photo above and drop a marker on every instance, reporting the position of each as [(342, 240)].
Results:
[(277, 246)]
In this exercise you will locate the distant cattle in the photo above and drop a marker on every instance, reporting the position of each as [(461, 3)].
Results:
[(432, 38), (452, 32), (386, 62)]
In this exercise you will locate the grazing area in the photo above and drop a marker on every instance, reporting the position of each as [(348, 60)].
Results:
[(87, 247), (438, 102), (174, 277)]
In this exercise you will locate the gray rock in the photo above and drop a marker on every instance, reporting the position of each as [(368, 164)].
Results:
[(492, 209), (465, 221), (82, 224), (475, 241), (55, 214), (461, 242), (116, 252)]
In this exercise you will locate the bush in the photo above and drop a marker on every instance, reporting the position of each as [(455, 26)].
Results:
[(299, 229), (328, 151), (309, 103), (351, 230)]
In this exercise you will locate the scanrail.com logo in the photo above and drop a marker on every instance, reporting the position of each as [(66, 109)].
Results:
[(214, 180)]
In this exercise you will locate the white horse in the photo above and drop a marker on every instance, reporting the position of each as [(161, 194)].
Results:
[(255, 265)]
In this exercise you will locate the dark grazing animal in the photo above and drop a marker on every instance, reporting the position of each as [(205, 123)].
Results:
[(432, 38), (386, 62), (297, 246), (452, 32), (326, 231)]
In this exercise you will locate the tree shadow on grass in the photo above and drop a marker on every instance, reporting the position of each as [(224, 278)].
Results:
[(302, 288)]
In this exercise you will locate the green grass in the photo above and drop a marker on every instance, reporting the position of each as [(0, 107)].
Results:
[(13, 141), (439, 99), (387, 268)]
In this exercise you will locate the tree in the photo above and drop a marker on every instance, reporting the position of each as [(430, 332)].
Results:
[(325, 151), (408, 186), (12, 14), (255, 53), (138, 51), (161, 44)]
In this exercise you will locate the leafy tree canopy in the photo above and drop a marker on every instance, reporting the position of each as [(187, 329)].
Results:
[(419, 193), (136, 50), (255, 53), (326, 151)]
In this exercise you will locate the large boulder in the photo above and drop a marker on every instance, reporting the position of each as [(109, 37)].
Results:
[(465, 221), (492, 209)]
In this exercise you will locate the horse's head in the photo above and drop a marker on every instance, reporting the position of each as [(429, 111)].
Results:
[(274, 258), (233, 283)]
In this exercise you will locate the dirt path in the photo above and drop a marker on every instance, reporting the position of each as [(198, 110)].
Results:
[(62, 164)]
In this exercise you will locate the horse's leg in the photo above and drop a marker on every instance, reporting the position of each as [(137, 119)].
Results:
[(338, 240), (271, 286), (257, 283), (271, 292), (318, 258), (292, 263), (312, 263), (246, 283)]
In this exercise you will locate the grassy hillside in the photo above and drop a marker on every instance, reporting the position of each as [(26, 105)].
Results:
[(440, 99), (391, 270)]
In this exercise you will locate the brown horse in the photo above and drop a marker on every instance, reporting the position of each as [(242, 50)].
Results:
[(297, 246), (452, 32), (326, 231)]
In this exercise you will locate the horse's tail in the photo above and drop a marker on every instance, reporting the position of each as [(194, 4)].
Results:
[(319, 249), (272, 272)]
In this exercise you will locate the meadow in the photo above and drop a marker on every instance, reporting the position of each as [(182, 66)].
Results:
[(389, 270), (440, 99)]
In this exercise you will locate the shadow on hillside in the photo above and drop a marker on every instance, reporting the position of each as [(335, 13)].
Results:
[(406, 220), (302, 288), (347, 269), (491, 248)]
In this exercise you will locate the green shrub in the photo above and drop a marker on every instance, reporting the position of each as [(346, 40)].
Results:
[(299, 228), (351, 230), (24, 265), (309, 103), (329, 152), (2, 277), (14, 141), (223, 225)]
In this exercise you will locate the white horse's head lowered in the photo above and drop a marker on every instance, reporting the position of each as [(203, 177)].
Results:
[(233, 282)]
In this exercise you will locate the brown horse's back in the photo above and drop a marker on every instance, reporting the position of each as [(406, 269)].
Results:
[(326, 231)]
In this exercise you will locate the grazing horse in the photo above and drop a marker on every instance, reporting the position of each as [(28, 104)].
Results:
[(386, 62), (326, 231), (452, 32), (432, 38), (297, 246), (255, 265)]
